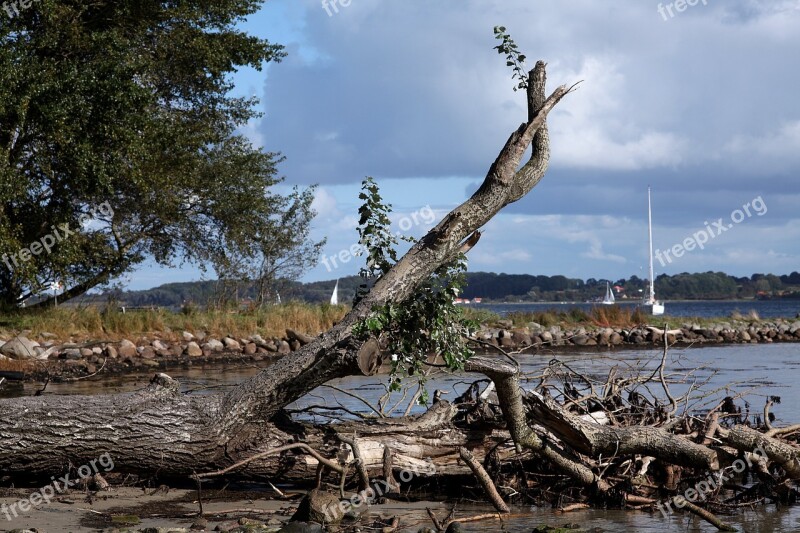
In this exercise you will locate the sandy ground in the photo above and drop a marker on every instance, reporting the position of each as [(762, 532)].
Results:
[(176, 508)]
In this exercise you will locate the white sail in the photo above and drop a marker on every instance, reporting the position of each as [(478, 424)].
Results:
[(652, 305), (609, 299), (335, 295)]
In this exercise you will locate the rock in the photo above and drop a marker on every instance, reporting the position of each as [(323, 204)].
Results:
[(522, 337), (320, 507), (111, 352), (454, 527), (299, 337), (187, 337), (127, 349), (72, 354), (150, 362), (231, 344), (615, 339), (250, 348), (159, 346), (229, 525), (193, 350), (214, 345), (295, 345), (148, 352), (301, 527), (547, 337), (580, 340), (20, 348), (506, 342), (283, 348), (86, 352), (199, 524), (505, 324)]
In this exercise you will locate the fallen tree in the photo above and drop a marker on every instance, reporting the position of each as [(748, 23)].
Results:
[(158, 430)]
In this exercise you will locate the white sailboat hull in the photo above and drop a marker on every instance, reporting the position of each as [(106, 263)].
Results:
[(654, 309)]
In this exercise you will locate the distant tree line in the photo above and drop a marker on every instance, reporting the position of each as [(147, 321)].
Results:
[(486, 285)]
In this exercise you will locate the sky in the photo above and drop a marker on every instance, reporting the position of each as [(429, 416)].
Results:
[(701, 104)]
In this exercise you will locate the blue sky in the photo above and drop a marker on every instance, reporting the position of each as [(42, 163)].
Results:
[(702, 105)]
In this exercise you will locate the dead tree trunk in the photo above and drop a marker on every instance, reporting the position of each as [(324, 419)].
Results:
[(160, 431)]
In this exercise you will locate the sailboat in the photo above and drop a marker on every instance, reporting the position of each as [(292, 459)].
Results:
[(335, 295), (609, 299), (650, 304)]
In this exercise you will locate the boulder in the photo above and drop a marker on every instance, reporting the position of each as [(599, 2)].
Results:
[(283, 348), (231, 345), (20, 348), (250, 348), (319, 507), (127, 349), (580, 340), (214, 345), (187, 337), (111, 352), (72, 354), (159, 346), (148, 352), (193, 350)]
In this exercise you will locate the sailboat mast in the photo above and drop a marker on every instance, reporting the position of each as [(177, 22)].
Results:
[(650, 233)]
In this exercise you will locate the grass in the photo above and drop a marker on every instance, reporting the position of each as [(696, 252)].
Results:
[(71, 323), (67, 323)]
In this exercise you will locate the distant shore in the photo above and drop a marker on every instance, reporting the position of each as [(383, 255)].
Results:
[(160, 342)]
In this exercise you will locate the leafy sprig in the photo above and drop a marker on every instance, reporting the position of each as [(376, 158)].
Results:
[(514, 58)]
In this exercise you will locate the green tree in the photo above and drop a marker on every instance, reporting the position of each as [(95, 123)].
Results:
[(126, 103)]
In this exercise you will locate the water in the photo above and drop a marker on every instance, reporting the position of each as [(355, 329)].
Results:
[(760, 370), (687, 308)]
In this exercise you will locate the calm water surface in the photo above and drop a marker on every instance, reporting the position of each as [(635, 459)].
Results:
[(702, 309)]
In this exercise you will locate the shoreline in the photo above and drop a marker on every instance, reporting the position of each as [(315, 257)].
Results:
[(61, 363)]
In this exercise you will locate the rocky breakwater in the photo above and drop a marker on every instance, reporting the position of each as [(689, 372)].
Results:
[(504, 334), (22, 357)]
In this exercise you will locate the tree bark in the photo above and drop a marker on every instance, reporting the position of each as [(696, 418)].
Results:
[(158, 430)]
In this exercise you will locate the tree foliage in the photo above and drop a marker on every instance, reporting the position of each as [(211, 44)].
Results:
[(128, 102), (514, 58), (426, 323)]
